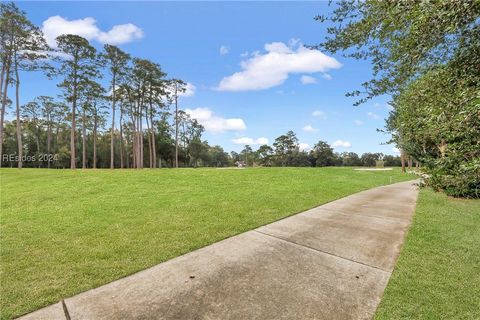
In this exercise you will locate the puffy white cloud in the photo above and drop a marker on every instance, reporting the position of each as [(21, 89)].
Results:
[(122, 33), (309, 128), (224, 50), (270, 69), (341, 144), (358, 122), (250, 141), (244, 54), (214, 123), (396, 150), (308, 80), (304, 147), (319, 114), (56, 25)]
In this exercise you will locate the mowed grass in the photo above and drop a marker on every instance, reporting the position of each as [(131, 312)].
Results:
[(63, 231), (438, 272)]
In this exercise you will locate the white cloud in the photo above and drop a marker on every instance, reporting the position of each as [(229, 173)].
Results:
[(244, 54), (341, 144), (358, 122), (308, 80), (373, 115), (214, 123), (56, 25), (250, 141), (119, 34), (326, 76), (270, 69), (309, 128), (396, 150), (304, 147), (319, 114), (224, 50)]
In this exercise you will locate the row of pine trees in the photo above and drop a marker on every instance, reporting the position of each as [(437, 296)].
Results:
[(138, 94)]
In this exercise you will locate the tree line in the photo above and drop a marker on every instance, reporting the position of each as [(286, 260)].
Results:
[(426, 56), (46, 137), (78, 129), (138, 94), (286, 153)]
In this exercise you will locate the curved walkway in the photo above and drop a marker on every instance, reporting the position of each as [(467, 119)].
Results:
[(330, 262)]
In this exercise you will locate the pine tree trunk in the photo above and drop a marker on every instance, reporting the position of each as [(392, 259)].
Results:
[(122, 147), (4, 104), (49, 141), (5, 78), (2, 75), (150, 155), (184, 145), (19, 127), (3, 91), (153, 144), (55, 143), (95, 140), (134, 144), (176, 128), (135, 141), (72, 132), (84, 144), (140, 137), (112, 135), (37, 141)]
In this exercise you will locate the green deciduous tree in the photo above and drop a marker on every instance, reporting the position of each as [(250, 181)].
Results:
[(426, 55), (322, 155), (285, 146), (370, 159), (350, 159), (265, 153), (402, 39), (436, 120)]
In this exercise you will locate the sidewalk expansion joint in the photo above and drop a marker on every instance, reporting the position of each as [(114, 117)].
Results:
[(347, 213), (65, 310), (320, 251)]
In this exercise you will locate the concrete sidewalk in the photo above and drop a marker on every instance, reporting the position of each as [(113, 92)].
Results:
[(330, 262)]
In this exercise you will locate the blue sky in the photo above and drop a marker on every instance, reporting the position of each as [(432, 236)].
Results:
[(279, 87)]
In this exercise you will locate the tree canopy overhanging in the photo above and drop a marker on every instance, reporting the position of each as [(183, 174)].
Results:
[(426, 55)]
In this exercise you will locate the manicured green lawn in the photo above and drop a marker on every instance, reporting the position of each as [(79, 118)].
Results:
[(438, 273), (63, 232)]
